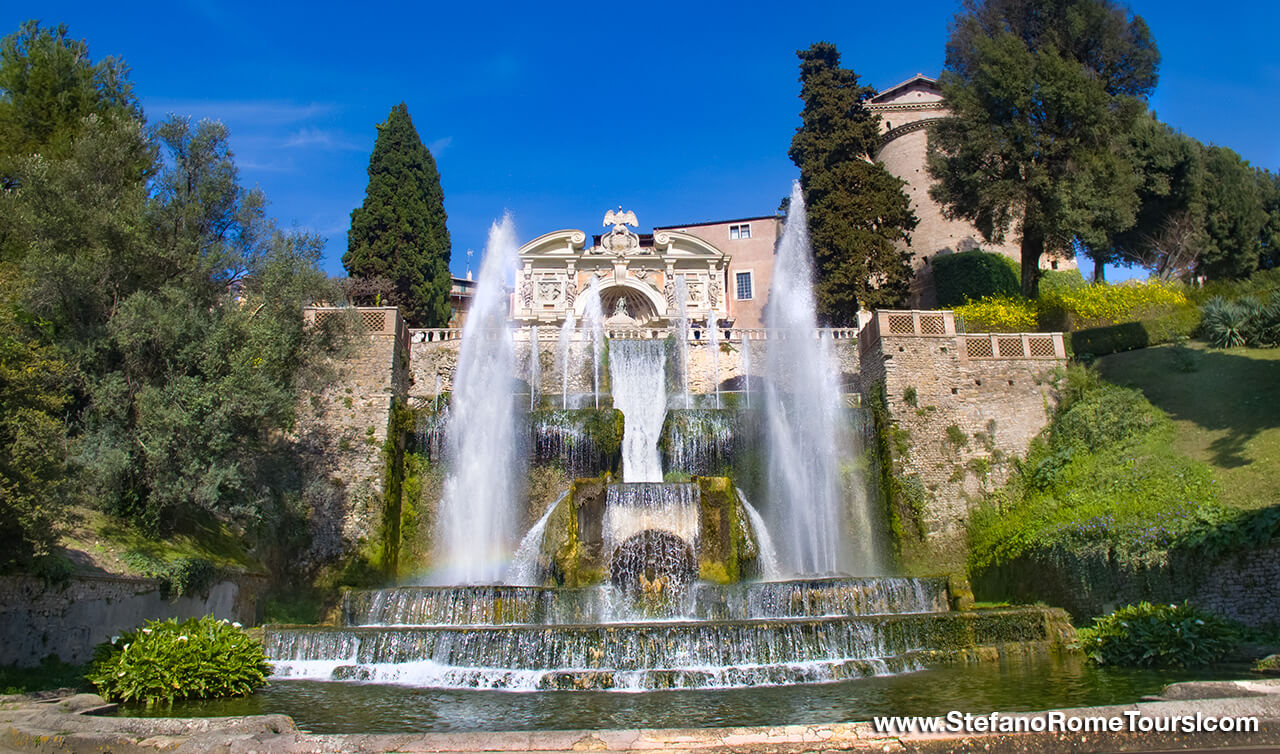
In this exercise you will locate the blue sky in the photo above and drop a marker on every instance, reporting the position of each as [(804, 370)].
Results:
[(682, 112)]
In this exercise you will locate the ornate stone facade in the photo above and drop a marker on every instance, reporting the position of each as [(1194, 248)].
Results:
[(636, 275)]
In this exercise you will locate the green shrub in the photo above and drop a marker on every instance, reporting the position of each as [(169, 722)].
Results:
[(1242, 321), (1158, 636), (1104, 474), (1057, 282), (199, 658), (1100, 341), (973, 275), (182, 576)]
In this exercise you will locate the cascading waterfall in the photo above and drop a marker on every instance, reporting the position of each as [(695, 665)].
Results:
[(477, 509), (524, 564), (535, 368), (562, 357), (770, 568), (593, 330), (803, 415), (637, 375)]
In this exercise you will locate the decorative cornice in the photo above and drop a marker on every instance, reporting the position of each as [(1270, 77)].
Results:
[(903, 130), (934, 105)]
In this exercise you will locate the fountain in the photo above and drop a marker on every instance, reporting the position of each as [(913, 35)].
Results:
[(563, 358), (804, 417), (630, 582), (593, 330), (477, 510)]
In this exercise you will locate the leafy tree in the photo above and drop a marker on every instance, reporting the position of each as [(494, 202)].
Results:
[(859, 217), (33, 467), (1167, 236), (48, 85), (399, 232), (1269, 188), (1042, 94), (1234, 216)]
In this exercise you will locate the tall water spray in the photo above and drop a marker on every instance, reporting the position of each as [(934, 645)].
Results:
[(640, 392), (562, 356), (713, 342), (746, 370), (475, 532), (593, 330), (804, 416), (535, 368), (681, 302)]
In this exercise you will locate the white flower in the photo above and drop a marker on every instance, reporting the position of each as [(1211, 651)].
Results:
[(120, 674), (115, 638), (182, 638), (236, 625), (146, 630)]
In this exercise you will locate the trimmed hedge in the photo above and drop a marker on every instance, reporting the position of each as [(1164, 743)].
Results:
[(1100, 341), (972, 275)]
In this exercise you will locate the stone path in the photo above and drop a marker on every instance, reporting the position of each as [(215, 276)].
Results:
[(77, 724)]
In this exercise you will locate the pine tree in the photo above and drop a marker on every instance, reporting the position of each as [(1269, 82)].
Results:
[(1043, 95), (859, 216), (399, 232)]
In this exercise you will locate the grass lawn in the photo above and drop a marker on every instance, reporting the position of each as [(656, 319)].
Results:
[(1227, 412), (96, 541)]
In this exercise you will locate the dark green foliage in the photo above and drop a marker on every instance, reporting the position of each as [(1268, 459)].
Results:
[(972, 275), (1234, 216), (1056, 282), (1100, 341), (1159, 636), (199, 658), (399, 232), (48, 85), (858, 213), (33, 468), (150, 304), (1042, 94), (1167, 234)]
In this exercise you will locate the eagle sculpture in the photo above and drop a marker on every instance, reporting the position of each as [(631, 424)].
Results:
[(619, 218)]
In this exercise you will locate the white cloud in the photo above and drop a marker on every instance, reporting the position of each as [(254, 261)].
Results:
[(260, 112), (439, 145), (319, 138)]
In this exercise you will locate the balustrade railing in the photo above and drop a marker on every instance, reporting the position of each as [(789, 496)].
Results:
[(551, 334)]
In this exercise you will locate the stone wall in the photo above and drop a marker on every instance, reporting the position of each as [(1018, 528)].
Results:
[(71, 618), (964, 407), (726, 365), (342, 426), (1243, 585)]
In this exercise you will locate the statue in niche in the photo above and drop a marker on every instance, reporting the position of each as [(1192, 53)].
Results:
[(620, 308), (716, 290), (526, 292)]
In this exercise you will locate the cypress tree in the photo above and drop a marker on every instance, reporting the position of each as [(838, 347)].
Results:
[(399, 232), (859, 216)]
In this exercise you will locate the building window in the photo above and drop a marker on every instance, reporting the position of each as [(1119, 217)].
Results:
[(742, 285), (739, 232)]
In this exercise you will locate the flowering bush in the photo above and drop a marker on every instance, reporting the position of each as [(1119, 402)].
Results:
[(998, 314), (1073, 307), (1158, 636), (199, 658), (1102, 304)]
